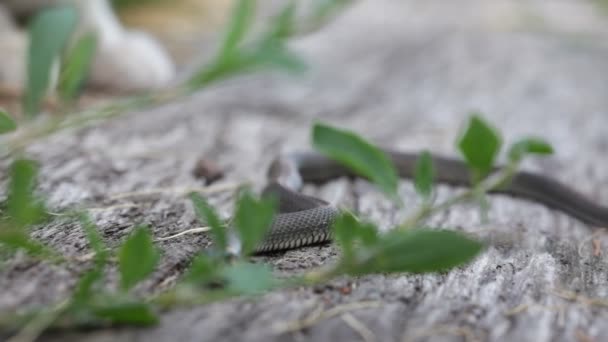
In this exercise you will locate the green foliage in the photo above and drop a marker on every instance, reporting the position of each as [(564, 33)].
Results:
[(132, 313), (247, 278), (76, 67), (85, 287), (416, 251), (207, 215), (203, 270), (235, 56), (349, 231), (23, 207), (7, 124), (137, 258), (359, 155), (49, 34), (479, 144), (527, 146), (424, 175), (252, 220), (19, 239)]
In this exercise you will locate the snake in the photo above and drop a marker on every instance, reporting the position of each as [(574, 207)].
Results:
[(303, 220)]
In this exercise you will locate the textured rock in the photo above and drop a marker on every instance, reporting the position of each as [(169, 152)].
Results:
[(404, 74)]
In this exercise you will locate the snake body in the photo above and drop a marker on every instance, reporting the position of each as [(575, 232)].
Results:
[(304, 220)]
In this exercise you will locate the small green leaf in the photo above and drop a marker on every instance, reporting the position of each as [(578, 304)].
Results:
[(85, 288), (246, 278), (137, 258), (207, 215), (76, 66), (348, 230), (353, 151), (279, 57), (202, 270), (7, 124), (19, 239), (133, 313), (240, 21), (22, 205), (49, 34), (424, 175), (479, 144), (253, 219), (282, 26), (521, 148), (419, 250)]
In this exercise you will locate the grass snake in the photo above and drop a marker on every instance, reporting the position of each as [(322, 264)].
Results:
[(304, 220)]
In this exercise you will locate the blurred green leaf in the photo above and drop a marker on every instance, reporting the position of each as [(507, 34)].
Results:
[(202, 270), (76, 66), (7, 124), (240, 22), (85, 288), (20, 239), (418, 250), (424, 175), (282, 26), (49, 34), (22, 205), (133, 313), (253, 219), (92, 234), (479, 144), (247, 278), (277, 56), (137, 258), (528, 146), (348, 231), (207, 215), (353, 151)]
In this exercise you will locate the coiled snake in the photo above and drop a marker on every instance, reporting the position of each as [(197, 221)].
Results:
[(304, 220)]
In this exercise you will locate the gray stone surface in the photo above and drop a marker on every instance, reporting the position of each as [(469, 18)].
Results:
[(404, 74)]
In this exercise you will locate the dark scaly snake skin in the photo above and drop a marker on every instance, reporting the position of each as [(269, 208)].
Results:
[(305, 220)]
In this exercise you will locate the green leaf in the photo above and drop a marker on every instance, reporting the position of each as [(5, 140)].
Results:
[(202, 270), (252, 220), (85, 288), (479, 144), (247, 278), (133, 313), (282, 26), (353, 151), (348, 230), (424, 175), (526, 146), (7, 124), (207, 215), (49, 34), (240, 22), (76, 66), (279, 57), (418, 250), (22, 205), (19, 239), (137, 258)]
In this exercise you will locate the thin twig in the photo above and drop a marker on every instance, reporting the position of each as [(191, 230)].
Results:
[(320, 314), (185, 232), (363, 331)]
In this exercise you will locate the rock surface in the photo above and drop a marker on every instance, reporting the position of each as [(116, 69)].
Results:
[(404, 74)]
